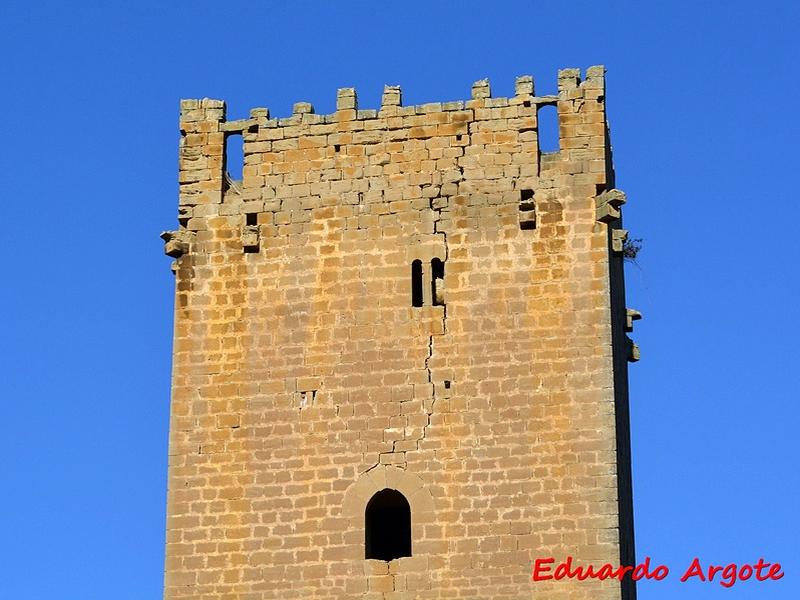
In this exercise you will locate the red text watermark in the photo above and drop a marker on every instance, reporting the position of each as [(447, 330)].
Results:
[(546, 569)]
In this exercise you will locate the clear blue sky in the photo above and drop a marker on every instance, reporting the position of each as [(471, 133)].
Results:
[(702, 100)]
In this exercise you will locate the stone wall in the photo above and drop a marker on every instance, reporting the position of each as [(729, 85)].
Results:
[(305, 380)]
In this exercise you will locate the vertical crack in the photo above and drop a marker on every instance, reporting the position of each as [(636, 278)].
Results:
[(437, 205)]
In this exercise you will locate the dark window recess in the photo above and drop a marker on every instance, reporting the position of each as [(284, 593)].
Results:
[(336, 147), (387, 526), (547, 120), (437, 282), (251, 219), (416, 283), (527, 210), (234, 155)]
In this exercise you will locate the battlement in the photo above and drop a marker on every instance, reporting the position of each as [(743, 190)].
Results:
[(354, 156)]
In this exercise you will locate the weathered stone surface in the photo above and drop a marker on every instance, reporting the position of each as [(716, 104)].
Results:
[(346, 99), (618, 239), (250, 237), (631, 316), (176, 243), (392, 96), (634, 354), (608, 205), (301, 108), (481, 89), (523, 86)]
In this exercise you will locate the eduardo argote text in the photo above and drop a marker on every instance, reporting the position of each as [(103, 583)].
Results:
[(546, 569)]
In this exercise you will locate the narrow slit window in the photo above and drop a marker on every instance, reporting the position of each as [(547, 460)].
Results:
[(416, 283), (387, 526), (527, 209), (437, 282), (234, 156), (547, 120)]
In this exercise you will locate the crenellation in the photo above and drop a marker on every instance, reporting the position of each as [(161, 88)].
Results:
[(392, 96), (481, 89), (523, 86)]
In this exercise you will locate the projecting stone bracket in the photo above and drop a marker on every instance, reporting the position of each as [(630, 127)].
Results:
[(608, 205), (618, 237), (633, 351), (631, 315), (177, 243)]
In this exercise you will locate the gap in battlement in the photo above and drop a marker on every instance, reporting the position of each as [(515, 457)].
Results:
[(547, 119), (234, 155)]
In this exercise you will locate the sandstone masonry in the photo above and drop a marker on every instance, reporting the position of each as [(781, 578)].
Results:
[(411, 298)]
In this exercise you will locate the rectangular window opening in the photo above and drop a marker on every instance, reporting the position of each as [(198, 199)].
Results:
[(416, 283), (234, 156), (547, 122), (437, 282)]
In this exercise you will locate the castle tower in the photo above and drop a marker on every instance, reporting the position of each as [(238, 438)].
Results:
[(400, 354)]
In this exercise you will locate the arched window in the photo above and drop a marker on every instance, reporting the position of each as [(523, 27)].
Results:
[(387, 526)]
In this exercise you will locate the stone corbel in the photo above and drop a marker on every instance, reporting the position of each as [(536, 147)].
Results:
[(618, 237), (633, 351), (631, 315), (177, 243), (608, 204)]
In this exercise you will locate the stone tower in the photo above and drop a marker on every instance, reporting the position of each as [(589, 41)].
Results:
[(400, 353)]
